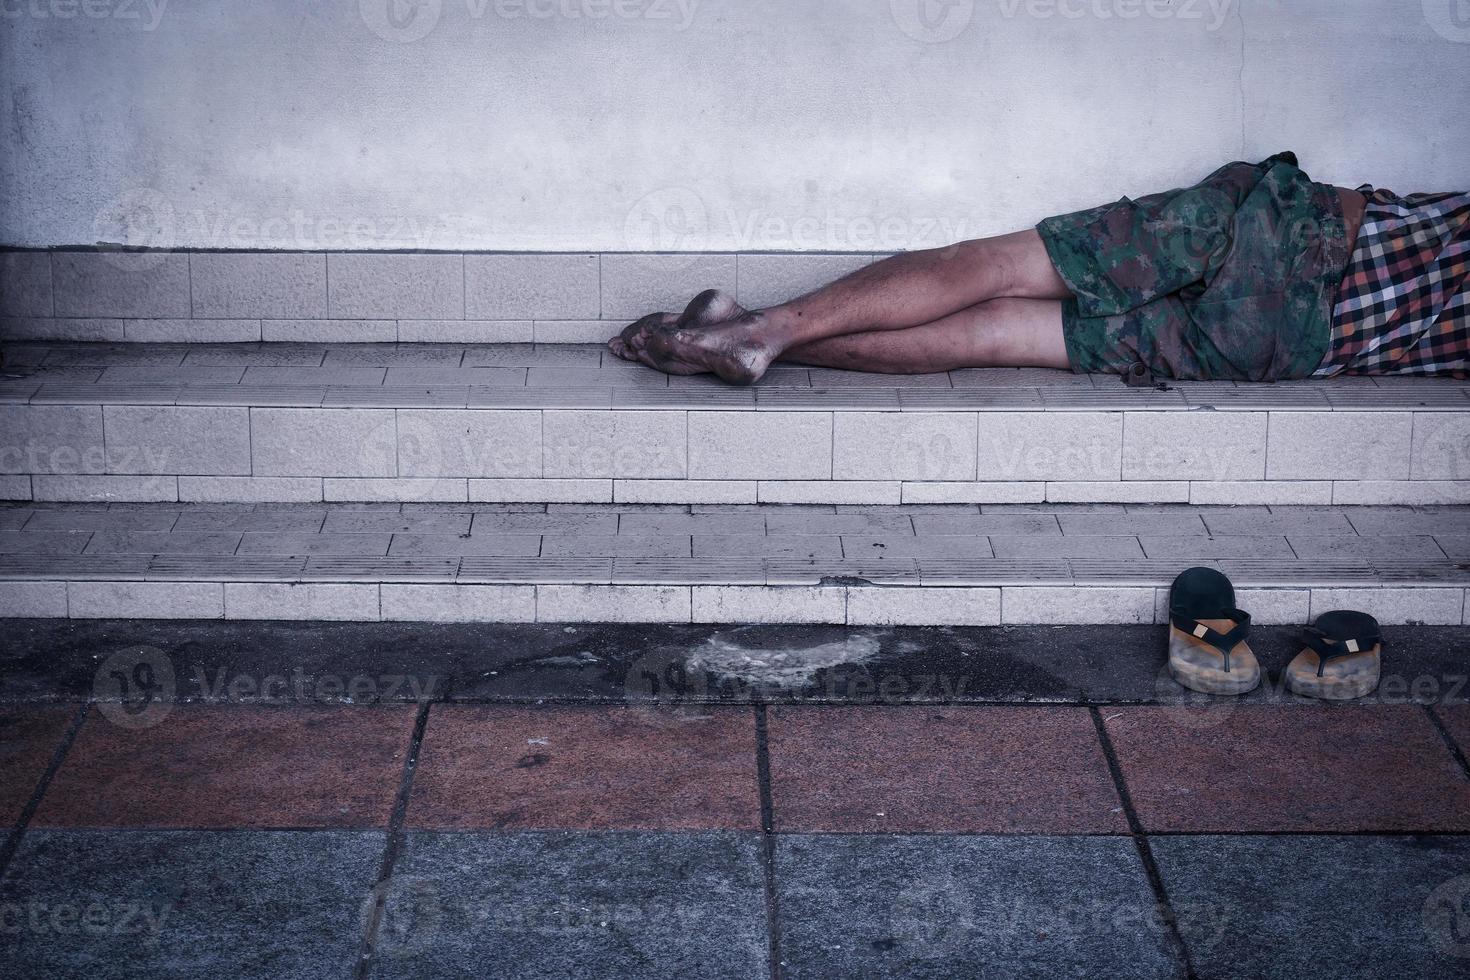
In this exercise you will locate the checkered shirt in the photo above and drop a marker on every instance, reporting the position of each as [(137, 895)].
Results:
[(1404, 303)]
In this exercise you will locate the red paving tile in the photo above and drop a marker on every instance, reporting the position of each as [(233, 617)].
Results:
[(1456, 718), (946, 770), (1289, 768), (234, 766), (28, 739), (587, 768)]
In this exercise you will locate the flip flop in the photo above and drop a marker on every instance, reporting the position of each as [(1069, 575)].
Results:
[(1341, 659), (1207, 648)]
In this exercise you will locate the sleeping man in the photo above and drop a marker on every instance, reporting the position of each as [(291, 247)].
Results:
[(1257, 273)]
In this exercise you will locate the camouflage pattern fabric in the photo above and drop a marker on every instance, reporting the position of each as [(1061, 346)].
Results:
[(1232, 278)]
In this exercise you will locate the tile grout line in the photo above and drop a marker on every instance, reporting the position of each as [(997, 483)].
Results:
[(1140, 841), (13, 838), (768, 838), (393, 844), (1449, 740)]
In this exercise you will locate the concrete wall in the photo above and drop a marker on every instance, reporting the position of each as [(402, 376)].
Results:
[(815, 125)]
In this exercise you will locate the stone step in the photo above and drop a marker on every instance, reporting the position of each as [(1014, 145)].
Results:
[(893, 565), (571, 423)]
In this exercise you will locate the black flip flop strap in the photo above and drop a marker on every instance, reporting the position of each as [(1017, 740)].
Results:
[(1328, 647), (1224, 642)]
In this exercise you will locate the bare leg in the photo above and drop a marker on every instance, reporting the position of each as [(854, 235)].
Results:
[(903, 291), (998, 333)]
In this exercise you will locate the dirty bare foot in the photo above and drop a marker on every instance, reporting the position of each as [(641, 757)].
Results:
[(713, 335)]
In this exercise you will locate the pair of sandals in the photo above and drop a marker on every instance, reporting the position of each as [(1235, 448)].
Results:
[(1341, 654)]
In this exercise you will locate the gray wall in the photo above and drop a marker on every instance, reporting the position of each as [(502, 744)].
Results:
[(691, 124)]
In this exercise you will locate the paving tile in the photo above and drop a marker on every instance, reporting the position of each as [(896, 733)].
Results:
[(1355, 492), (110, 284), (1320, 906), (1299, 768), (163, 439), (522, 491), (928, 906), (712, 523), (323, 442), (558, 603), (455, 376), (1163, 520), (957, 606), (1065, 546), (1189, 546), (1291, 521), (1073, 446), (212, 489), (356, 602), (145, 600), (828, 491), (762, 604), (1130, 492), (639, 445), (785, 520), (29, 738), (1409, 520), (942, 770), (636, 284), (106, 542), (350, 356), (557, 905), (389, 519), (464, 544), (1080, 606), (253, 355), (525, 287), (91, 517), (232, 766), (43, 542), (1194, 446), (903, 446), (105, 488), (599, 523), (1261, 492), (1394, 606), (767, 546), (336, 331), (760, 446), (25, 284), (599, 768), (313, 376), (575, 331), (396, 489), (244, 517), (458, 603), (1441, 448), (1403, 546), (934, 546), (158, 903), (191, 331), (1340, 445), (388, 285), (69, 329), (32, 599), (439, 443), (466, 331), (51, 439), (259, 284), (702, 491), (617, 545), (1031, 525)]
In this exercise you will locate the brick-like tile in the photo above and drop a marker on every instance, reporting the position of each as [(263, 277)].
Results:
[(1391, 606), (1073, 446), (946, 770), (612, 604), (145, 600), (1440, 441), (903, 446), (1066, 546), (469, 443), (760, 445), (29, 737), (192, 331), (154, 543), (595, 768), (165, 439), (109, 284), (28, 599), (868, 905), (763, 604), (1210, 446), (356, 602), (923, 607), (531, 287), (637, 284), (51, 439), (392, 286), (1079, 605), (1318, 906), (323, 442), (25, 284), (638, 445), (233, 766), (217, 489), (290, 285), (1313, 445), (136, 489), (1294, 768), (337, 331), (458, 603)]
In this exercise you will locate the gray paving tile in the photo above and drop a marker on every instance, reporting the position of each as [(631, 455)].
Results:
[(82, 518), (391, 285), (43, 542), (1134, 522), (597, 904), (1190, 546), (275, 375), (581, 356), (120, 285), (397, 396), (834, 378), (465, 544), (1395, 546), (934, 546), (970, 523), (257, 355), (517, 287), (673, 523), (25, 284), (1279, 521), (1059, 546), (646, 281), (252, 396), (310, 543), (112, 542), (177, 903), (259, 284), (1456, 546), (550, 523), (591, 377), (13, 517), (1002, 377), (499, 376), (768, 546), (953, 906), (394, 355), (1406, 520), (800, 522), (1319, 906), (617, 545), (590, 571), (182, 374), (510, 396), (817, 571), (396, 522), (724, 570)]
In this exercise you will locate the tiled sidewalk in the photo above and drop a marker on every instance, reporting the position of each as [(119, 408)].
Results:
[(596, 827), (917, 564)]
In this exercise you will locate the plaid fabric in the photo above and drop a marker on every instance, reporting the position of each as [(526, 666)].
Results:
[(1404, 303)]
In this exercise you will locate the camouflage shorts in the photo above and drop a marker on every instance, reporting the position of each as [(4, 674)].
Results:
[(1233, 278)]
